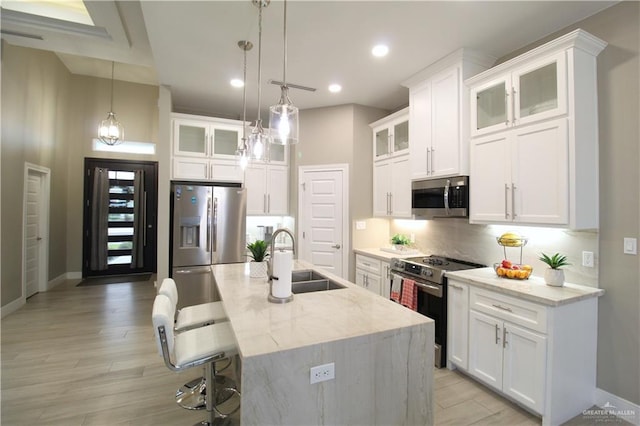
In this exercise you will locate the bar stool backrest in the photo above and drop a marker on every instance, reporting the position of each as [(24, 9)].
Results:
[(163, 315), (169, 289)]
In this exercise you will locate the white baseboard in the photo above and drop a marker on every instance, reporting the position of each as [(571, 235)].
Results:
[(12, 306), (62, 278), (617, 406)]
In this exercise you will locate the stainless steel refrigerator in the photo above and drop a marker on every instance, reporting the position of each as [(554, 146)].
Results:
[(208, 227)]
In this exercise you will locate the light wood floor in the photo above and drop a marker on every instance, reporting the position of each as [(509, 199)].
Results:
[(87, 356)]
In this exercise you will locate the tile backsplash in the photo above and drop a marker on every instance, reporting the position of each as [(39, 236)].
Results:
[(457, 238)]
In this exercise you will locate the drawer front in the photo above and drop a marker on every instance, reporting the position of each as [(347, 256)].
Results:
[(520, 312), (368, 264)]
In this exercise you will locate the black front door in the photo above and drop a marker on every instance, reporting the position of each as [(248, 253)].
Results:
[(120, 216)]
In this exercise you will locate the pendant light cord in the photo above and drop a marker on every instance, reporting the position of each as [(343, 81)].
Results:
[(244, 96), (259, 59), (284, 68), (112, 66)]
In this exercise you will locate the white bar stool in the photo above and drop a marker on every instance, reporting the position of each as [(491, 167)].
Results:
[(192, 348), (191, 395)]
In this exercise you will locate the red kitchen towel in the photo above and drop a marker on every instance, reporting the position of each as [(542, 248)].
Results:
[(409, 296)]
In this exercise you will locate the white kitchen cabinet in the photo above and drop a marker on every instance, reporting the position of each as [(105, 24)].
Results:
[(522, 175), (204, 148), (535, 91), (373, 275), (458, 324), (534, 146), (392, 187), (438, 115), (391, 135), (509, 358), (267, 189)]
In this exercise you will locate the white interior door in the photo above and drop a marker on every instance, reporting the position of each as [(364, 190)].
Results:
[(322, 239), (35, 230)]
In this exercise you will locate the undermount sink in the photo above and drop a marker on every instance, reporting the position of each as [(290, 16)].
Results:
[(309, 281)]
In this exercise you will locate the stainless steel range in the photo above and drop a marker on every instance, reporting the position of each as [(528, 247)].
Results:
[(429, 275)]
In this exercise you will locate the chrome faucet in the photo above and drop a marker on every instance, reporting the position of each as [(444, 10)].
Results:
[(272, 246)]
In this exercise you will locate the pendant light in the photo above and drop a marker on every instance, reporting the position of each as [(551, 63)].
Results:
[(111, 131), (258, 139), (283, 117), (243, 150)]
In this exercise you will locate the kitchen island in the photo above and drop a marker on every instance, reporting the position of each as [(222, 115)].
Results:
[(382, 352)]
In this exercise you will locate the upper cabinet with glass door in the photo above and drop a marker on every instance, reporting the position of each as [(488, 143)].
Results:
[(205, 137), (533, 92), (391, 135)]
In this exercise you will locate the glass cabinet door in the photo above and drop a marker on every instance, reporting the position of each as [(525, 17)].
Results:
[(277, 153), (491, 106), (539, 90), (401, 136), (382, 142), (191, 139), (225, 142)]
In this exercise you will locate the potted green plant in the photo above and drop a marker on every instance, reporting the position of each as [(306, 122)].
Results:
[(554, 276), (258, 253), (400, 241)]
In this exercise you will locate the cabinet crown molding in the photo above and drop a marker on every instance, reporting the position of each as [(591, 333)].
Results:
[(464, 54), (579, 39)]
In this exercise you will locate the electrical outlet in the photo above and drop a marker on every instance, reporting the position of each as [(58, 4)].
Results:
[(587, 259), (630, 246), (322, 373)]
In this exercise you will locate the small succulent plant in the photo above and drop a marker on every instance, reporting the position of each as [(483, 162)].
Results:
[(258, 250), (556, 261), (400, 239)]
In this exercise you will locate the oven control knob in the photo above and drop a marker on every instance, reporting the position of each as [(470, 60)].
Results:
[(427, 273)]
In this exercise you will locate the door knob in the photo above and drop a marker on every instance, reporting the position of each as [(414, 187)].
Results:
[(336, 246)]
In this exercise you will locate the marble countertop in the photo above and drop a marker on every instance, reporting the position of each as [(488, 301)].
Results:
[(533, 289), (384, 255), (261, 327)]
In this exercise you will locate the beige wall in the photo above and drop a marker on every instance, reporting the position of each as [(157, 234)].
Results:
[(49, 117), (35, 113), (333, 135)]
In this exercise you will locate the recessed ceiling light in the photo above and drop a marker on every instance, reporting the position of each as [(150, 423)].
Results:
[(380, 50), (335, 88), (236, 82)]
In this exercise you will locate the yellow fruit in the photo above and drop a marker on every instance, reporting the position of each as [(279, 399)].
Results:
[(522, 274), (500, 271), (510, 239), (527, 267), (511, 273)]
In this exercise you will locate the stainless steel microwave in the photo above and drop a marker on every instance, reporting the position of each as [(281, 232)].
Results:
[(435, 198)]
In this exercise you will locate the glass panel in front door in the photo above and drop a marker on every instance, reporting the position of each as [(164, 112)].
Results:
[(491, 106), (192, 139), (539, 90), (120, 231)]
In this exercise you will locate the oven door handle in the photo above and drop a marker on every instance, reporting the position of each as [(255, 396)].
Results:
[(434, 290)]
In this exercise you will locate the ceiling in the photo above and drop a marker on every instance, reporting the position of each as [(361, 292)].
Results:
[(191, 46)]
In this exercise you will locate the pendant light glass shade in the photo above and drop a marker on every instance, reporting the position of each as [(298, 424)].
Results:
[(242, 153), (283, 117), (283, 120), (110, 130)]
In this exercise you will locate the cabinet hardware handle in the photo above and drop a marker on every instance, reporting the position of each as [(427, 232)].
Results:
[(513, 200), (391, 203), (432, 168), (504, 308), (268, 203), (506, 192), (497, 333), (455, 286), (504, 337), (335, 246), (428, 152)]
